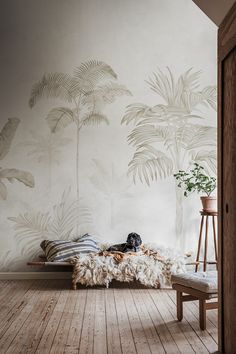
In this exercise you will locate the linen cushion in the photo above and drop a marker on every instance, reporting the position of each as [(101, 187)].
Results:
[(59, 250), (203, 281)]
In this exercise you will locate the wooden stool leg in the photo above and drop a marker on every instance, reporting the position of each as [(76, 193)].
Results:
[(199, 244), (215, 241), (206, 243), (202, 314), (179, 305)]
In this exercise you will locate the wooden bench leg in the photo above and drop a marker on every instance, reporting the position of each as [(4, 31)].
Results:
[(179, 299), (74, 287), (202, 314)]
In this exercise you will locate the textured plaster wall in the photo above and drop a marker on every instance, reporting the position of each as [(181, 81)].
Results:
[(136, 39)]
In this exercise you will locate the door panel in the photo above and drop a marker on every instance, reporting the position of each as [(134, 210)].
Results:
[(227, 182), (229, 200)]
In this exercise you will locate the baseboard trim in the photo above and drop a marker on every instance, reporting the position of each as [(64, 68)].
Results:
[(34, 275)]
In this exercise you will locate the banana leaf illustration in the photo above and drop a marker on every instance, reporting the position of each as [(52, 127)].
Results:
[(11, 174)]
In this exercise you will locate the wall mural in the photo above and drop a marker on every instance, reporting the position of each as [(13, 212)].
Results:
[(95, 146), (10, 174), (171, 136), (166, 137), (92, 86), (57, 223), (46, 148), (112, 185)]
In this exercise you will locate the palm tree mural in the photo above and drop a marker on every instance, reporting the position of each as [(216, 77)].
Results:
[(171, 136), (10, 174), (92, 86), (59, 223), (46, 148)]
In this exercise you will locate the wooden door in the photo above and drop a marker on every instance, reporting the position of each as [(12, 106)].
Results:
[(227, 182)]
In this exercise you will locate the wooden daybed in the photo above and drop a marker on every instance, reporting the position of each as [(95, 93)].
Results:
[(150, 267), (44, 263)]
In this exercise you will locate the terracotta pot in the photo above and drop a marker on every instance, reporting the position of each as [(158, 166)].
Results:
[(209, 204)]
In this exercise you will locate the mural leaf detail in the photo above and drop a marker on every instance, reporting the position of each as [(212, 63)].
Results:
[(95, 119), (53, 85), (197, 136), (135, 113), (148, 164), (208, 96), (21, 176), (148, 134), (3, 191), (106, 93), (207, 159), (7, 134), (31, 229), (59, 223), (88, 74), (45, 147), (59, 118)]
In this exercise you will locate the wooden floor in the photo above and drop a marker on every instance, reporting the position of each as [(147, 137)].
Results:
[(46, 316)]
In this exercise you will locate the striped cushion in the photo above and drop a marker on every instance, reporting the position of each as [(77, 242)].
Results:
[(62, 250)]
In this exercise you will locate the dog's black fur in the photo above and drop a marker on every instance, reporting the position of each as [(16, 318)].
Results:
[(132, 244)]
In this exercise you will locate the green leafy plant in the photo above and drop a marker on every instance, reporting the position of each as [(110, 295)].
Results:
[(195, 181)]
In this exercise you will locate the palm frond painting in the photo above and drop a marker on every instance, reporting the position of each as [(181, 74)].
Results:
[(46, 148), (92, 86), (59, 223), (11, 260), (112, 185), (172, 135), (11, 174)]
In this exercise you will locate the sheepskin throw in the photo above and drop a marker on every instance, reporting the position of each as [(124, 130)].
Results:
[(152, 267)]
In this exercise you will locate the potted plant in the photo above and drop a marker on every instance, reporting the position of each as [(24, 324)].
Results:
[(197, 180)]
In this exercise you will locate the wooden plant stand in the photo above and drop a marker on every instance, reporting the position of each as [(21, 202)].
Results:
[(205, 219)]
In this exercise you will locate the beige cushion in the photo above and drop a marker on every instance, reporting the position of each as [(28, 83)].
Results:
[(203, 281)]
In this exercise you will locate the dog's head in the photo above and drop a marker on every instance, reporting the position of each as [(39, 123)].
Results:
[(134, 240)]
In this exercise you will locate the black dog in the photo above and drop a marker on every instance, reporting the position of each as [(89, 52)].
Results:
[(132, 244)]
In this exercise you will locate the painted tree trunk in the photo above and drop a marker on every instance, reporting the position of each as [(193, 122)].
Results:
[(50, 169), (180, 239), (77, 176), (112, 212)]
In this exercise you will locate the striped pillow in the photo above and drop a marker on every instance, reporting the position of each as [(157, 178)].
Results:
[(59, 251)]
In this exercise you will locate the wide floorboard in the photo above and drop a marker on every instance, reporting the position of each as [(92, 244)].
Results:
[(46, 316)]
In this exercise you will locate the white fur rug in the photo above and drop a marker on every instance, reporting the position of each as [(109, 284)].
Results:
[(94, 269)]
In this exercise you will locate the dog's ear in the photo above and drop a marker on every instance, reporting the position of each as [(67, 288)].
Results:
[(139, 240), (128, 238)]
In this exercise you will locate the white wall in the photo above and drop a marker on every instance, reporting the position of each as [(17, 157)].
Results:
[(135, 38)]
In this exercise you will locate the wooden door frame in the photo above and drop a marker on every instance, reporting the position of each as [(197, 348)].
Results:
[(226, 42)]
